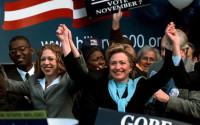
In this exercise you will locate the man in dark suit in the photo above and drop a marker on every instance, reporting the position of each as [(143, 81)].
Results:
[(187, 80), (179, 104), (20, 52)]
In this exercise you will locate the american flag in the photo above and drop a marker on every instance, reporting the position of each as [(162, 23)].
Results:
[(25, 13)]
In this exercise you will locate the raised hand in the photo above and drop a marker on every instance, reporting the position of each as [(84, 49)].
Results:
[(116, 19), (64, 34), (172, 34)]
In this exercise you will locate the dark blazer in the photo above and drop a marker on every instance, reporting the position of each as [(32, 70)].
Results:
[(12, 102), (139, 72), (185, 107), (190, 80), (14, 75), (97, 95)]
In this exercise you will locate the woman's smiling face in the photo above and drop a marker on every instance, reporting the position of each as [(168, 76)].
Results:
[(119, 66), (48, 63)]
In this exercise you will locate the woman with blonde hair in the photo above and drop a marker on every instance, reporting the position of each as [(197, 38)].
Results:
[(121, 91)]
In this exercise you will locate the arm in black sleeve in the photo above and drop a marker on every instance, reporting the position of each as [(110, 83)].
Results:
[(76, 67), (78, 70), (157, 81), (115, 34), (186, 80)]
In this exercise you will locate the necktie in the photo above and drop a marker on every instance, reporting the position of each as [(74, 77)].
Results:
[(46, 85), (26, 97), (27, 76)]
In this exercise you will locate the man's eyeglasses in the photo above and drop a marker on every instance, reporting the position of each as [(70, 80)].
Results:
[(19, 49), (151, 60)]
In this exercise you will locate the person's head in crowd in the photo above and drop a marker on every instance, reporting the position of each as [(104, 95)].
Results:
[(199, 58), (192, 52), (49, 61), (122, 40), (198, 55), (183, 44), (121, 61), (164, 42), (93, 54), (20, 52), (146, 56)]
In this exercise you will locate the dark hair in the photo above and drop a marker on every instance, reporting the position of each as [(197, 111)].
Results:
[(121, 40), (89, 46), (88, 50), (19, 38), (193, 49)]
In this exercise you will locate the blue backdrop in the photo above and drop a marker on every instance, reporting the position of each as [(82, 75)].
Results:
[(145, 25)]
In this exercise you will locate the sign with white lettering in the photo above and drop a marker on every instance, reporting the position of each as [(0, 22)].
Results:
[(39, 19), (96, 8), (112, 117)]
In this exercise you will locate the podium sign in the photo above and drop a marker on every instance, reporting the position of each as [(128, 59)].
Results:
[(24, 122), (96, 8), (111, 117), (23, 118)]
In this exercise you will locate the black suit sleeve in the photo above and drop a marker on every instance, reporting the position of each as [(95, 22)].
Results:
[(187, 80)]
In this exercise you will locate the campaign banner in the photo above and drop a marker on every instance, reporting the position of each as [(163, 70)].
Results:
[(23, 122), (112, 117), (35, 117), (97, 8), (38, 20)]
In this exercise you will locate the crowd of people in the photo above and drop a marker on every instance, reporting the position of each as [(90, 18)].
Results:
[(71, 83)]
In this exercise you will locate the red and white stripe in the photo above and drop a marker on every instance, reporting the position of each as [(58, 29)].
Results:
[(25, 13)]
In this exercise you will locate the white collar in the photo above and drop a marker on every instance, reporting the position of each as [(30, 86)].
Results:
[(55, 81), (23, 73)]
